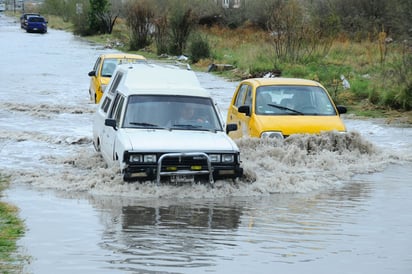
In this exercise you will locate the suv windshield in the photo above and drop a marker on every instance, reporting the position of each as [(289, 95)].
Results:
[(171, 112)]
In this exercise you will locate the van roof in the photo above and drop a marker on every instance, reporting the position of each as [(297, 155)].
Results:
[(160, 79)]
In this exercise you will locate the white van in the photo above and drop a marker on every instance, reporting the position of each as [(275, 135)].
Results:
[(158, 124)]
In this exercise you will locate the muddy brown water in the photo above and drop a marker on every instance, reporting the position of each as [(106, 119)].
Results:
[(326, 204)]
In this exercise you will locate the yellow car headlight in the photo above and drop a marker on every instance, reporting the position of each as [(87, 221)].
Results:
[(272, 134)]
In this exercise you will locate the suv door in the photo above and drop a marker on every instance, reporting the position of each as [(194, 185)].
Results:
[(109, 134)]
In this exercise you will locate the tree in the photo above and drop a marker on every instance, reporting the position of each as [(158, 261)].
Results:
[(101, 18), (182, 21), (139, 17)]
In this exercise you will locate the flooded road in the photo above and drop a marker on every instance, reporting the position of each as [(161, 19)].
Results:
[(328, 203)]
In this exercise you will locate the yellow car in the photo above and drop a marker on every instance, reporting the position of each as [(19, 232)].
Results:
[(279, 107), (104, 68)]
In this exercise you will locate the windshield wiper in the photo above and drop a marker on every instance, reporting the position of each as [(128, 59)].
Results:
[(192, 127), (286, 108), (143, 124), (187, 125)]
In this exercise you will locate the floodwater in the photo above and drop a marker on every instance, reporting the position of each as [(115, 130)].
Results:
[(323, 204)]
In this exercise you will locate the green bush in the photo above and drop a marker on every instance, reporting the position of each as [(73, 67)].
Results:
[(360, 87), (199, 49)]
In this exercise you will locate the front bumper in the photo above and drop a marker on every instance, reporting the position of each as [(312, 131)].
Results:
[(180, 166)]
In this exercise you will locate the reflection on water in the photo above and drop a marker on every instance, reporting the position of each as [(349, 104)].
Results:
[(180, 217), (340, 227)]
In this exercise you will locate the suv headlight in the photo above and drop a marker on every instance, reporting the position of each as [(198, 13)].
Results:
[(214, 158), (228, 158), (136, 158), (222, 158), (142, 158), (272, 134), (149, 158)]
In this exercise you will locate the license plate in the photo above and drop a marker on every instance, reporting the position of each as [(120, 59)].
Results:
[(182, 179)]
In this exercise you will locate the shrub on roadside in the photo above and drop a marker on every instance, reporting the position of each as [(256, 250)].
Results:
[(199, 49)]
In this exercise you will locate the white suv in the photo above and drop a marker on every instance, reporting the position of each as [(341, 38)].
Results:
[(158, 124)]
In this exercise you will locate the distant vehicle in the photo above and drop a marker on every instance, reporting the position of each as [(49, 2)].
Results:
[(103, 70), (36, 24), (142, 126), (2, 7), (280, 107), (23, 19)]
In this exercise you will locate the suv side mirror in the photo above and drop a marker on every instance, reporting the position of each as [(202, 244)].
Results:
[(231, 127), (110, 123), (244, 109), (92, 73)]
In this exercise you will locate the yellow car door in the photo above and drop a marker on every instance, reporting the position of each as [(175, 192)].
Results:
[(94, 92), (242, 99)]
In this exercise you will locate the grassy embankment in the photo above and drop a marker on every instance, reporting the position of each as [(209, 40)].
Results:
[(11, 229), (372, 68)]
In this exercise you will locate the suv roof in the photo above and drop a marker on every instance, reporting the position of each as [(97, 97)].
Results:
[(156, 79)]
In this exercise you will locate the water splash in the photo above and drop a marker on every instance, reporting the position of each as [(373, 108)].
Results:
[(301, 163)]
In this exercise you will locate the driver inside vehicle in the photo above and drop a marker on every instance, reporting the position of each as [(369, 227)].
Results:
[(188, 114)]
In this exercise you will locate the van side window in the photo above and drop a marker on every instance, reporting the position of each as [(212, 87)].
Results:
[(116, 81), (116, 110), (105, 105)]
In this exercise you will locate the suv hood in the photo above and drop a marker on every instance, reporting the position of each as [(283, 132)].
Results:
[(163, 140)]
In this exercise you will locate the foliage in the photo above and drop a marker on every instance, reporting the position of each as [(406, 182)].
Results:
[(199, 49), (97, 8), (397, 81), (11, 228), (161, 35), (139, 17), (295, 37), (317, 39), (101, 17), (182, 21)]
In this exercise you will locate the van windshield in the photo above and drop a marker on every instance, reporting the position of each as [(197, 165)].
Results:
[(171, 112)]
